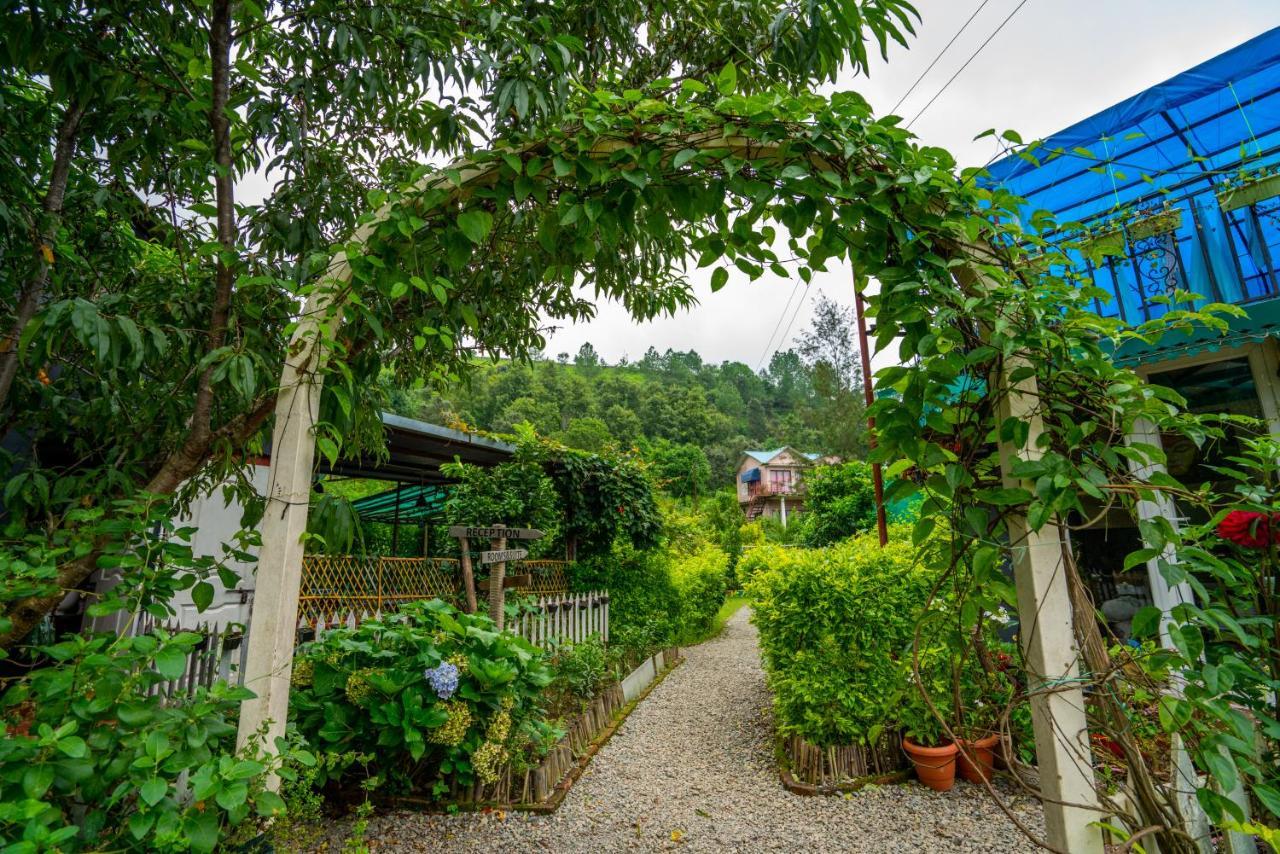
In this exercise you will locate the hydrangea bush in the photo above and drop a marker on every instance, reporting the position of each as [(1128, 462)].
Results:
[(430, 693)]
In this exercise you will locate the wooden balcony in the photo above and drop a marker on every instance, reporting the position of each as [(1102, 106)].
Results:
[(764, 489)]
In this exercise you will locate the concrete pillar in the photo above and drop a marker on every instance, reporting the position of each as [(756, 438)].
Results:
[(1048, 640), (784, 511)]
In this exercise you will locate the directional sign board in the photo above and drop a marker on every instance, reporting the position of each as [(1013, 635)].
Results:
[(503, 555), (494, 533)]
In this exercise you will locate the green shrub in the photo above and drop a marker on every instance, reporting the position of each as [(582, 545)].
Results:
[(581, 671), (644, 606), (836, 628), (91, 761), (762, 557), (699, 580), (839, 502), (367, 691)]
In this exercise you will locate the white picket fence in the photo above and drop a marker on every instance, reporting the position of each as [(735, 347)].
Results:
[(221, 654), (571, 618)]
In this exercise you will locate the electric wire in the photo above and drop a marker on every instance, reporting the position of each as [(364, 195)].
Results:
[(941, 53), (974, 56), (764, 354)]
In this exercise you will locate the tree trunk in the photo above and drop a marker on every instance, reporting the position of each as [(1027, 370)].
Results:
[(32, 293)]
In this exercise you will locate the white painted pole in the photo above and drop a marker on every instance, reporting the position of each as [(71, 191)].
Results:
[(1166, 597), (274, 619), (1048, 639)]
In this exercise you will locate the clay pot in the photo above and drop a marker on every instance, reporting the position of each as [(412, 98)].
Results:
[(935, 766), (982, 752)]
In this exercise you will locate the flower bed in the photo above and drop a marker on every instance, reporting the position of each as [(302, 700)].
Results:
[(433, 707)]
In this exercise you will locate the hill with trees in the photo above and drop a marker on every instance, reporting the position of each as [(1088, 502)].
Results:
[(690, 418)]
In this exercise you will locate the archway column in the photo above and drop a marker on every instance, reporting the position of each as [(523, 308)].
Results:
[(1050, 649)]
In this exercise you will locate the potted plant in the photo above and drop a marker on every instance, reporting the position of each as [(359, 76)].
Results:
[(923, 739), (984, 697)]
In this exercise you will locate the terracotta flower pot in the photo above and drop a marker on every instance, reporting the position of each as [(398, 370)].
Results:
[(935, 766), (982, 752)]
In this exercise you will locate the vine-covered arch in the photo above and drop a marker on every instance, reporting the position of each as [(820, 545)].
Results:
[(1006, 412)]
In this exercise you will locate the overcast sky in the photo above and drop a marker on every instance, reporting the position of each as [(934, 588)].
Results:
[(1055, 62)]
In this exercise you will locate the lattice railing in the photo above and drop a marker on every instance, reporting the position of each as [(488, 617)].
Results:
[(363, 586)]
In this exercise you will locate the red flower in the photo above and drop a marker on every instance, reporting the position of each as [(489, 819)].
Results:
[(1250, 529)]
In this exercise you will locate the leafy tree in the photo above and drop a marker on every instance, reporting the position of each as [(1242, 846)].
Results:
[(681, 470), (839, 502), (587, 434), (147, 304)]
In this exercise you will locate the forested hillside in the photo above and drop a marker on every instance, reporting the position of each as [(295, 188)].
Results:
[(674, 406)]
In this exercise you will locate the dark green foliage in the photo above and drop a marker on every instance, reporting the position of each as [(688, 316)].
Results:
[(582, 670), (516, 493), (603, 499), (839, 502), (666, 401), (644, 605), (363, 690), (91, 760), (679, 470)]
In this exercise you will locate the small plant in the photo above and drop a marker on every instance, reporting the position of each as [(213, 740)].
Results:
[(94, 758)]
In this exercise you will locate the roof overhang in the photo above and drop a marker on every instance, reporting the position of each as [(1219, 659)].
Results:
[(415, 451)]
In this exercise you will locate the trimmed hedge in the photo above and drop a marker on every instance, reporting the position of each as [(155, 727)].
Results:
[(836, 628)]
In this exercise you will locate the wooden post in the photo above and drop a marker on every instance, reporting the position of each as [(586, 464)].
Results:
[(468, 577), (1047, 635), (497, 596)]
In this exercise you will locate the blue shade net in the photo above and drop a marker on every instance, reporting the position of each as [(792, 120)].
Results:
[(1182, 172)]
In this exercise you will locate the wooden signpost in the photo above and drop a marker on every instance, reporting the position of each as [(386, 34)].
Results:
[(496, 558), (504, 555)]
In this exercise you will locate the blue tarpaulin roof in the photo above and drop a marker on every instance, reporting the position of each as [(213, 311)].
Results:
[(1172, 149), (1179, 135)]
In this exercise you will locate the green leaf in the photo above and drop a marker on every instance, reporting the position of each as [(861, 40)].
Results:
[(153, 791), (202, 831), (719, 278), (270, 804), (476, 225), (171, 662), (73, 746), (683, 156), (202, 595), (36, 780), (727, 79), (1146, 622)]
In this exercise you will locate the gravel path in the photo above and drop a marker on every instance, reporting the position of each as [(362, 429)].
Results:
[(693, 768)]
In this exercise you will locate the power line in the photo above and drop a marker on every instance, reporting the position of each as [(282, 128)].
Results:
[(765, 353), (941, 53), (794, 315), (961, 69)]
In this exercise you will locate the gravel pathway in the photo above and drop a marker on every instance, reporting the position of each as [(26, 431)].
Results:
[(693, 768)]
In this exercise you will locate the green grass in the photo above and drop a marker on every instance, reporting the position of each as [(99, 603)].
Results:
[(727, 610)]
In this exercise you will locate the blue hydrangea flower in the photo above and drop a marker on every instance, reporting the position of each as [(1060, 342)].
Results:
[(443, 679)]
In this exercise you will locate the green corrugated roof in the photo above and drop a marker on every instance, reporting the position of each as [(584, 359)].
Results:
[(416, 503), (1262, 321)]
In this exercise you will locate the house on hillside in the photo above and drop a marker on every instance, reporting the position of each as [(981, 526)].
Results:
[(771, 483), (1182, 182)]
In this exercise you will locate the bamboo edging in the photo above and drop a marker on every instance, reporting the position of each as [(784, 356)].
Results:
[(807, 769)]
